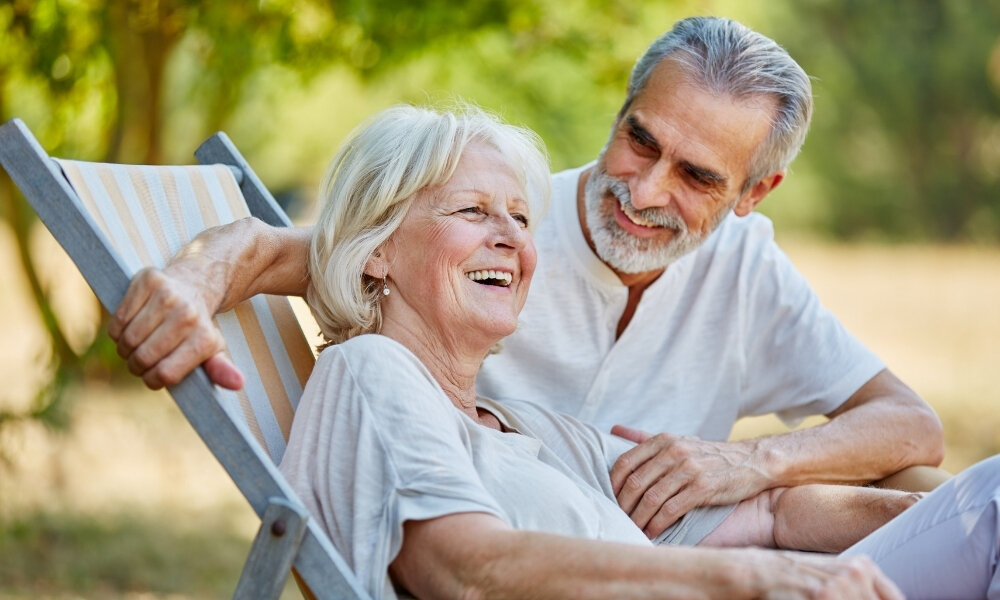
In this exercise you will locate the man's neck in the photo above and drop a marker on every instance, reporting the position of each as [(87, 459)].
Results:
[(635, 282)]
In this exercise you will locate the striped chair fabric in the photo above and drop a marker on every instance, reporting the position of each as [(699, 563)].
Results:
[(148, 213)]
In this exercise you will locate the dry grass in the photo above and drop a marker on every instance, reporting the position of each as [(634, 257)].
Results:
[(131, 481), (931, 314)]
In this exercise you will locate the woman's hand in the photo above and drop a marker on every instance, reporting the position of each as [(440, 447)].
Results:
[(821, 576), (164, 328)]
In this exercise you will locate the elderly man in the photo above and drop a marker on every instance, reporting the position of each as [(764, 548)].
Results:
[(660, 303)]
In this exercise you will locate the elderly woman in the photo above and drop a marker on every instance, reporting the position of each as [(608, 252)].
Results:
[(420, 264)]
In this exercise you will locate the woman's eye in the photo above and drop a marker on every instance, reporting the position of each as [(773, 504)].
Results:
[(522, 219), (471, 210)]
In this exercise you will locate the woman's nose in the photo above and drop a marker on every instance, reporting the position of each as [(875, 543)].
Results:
[(511, 232)]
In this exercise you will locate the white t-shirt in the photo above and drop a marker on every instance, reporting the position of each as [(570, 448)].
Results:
[(729, 330), (376, 442)]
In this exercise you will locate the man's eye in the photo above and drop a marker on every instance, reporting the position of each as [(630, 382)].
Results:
[(638, 139), (697, 177)]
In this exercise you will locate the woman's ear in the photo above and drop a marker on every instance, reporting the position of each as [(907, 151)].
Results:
[(377, 265)]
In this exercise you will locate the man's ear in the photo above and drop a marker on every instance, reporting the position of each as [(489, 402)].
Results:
[(756, 194)]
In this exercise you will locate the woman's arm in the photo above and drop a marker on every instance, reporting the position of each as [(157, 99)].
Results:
[(816, 518), (475, 555), (164, 327)]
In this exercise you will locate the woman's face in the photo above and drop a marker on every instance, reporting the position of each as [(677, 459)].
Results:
[(460, 264)]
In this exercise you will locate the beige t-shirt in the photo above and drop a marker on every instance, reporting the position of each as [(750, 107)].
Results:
[(376, 442)]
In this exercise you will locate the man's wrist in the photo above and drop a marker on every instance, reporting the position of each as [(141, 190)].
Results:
[(770, 461)]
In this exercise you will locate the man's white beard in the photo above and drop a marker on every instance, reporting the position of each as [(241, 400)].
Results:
[(623, 251)]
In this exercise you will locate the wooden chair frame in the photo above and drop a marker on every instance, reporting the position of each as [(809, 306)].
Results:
[(287, 537)]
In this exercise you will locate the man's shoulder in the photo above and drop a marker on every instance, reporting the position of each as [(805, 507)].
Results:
[(739, 247), (751, 229), (743, 238)]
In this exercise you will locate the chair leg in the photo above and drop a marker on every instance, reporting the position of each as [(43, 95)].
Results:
[(273, 551)]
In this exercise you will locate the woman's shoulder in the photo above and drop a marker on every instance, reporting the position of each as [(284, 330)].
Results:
[(366, 351), (373, 360)]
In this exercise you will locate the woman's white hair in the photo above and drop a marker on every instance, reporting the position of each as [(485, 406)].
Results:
[(370, 186)]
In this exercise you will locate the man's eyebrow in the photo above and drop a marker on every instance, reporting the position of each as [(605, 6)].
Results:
[(703, 174), (641, 132)]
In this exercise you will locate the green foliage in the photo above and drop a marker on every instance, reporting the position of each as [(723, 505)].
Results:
[(905, 141), (906, 135)]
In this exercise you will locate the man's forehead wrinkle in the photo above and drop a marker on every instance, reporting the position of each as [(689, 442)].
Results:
[(678, 140)]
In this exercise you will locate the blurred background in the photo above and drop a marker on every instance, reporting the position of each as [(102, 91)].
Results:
[(892, 211)]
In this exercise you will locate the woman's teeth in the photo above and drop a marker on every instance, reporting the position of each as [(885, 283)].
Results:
[(490, 277)]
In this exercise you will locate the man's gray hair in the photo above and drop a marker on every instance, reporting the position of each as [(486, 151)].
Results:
[(370, 186), (726, 57)]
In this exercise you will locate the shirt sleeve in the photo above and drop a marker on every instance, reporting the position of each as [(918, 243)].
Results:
[(376, 443), (800, 360)]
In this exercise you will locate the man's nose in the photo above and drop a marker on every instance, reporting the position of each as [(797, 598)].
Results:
[(652, 187)]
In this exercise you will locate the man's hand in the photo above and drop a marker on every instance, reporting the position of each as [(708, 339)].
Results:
[(665, 476), (164, 330)]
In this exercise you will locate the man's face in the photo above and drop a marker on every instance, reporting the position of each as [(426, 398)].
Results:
[(672, 170)]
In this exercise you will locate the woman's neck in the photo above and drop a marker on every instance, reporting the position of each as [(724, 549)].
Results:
[(452, 363)]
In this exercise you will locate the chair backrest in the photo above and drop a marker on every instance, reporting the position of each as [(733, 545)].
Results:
[(114, 219), (148, 214)]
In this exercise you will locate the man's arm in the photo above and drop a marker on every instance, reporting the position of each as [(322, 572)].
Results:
[(814, 518), (164, 327), (881, 429)]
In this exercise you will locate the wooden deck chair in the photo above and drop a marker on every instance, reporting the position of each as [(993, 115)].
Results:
[(113, 220)]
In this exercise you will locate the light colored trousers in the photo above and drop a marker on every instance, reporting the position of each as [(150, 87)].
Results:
[(947, 545)]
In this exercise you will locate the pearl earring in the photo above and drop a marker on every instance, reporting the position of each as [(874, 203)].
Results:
[(385, 287)]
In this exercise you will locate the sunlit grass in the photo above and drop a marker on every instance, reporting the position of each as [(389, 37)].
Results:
[(117, 554)]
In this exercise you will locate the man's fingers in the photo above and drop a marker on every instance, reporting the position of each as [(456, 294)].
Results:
[(681, 503), (223, 372), (662, 494), (648, 487), (635, 458)]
